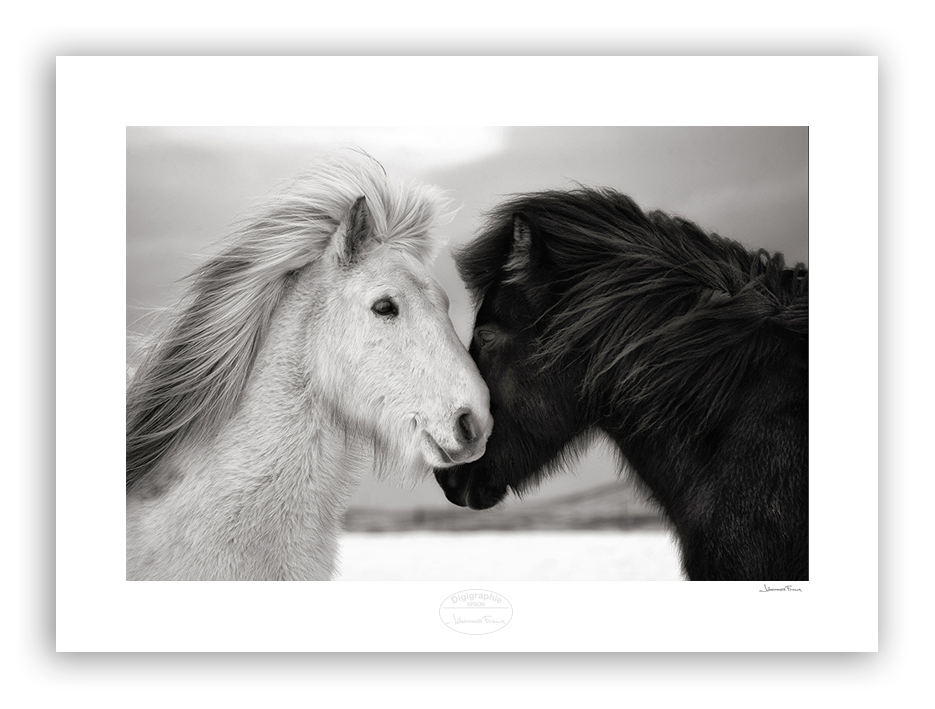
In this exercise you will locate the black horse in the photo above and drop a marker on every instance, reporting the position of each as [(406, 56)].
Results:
[(688, 350)]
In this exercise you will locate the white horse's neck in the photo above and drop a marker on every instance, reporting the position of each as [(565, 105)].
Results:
[(264, 500)]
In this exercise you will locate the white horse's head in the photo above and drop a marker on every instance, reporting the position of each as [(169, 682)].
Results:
[(386, 354), (328, 285)]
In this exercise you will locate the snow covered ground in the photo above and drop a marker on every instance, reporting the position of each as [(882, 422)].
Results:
[(527, 556)]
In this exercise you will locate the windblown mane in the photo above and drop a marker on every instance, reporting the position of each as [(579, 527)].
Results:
[(192, 379), (672, 318)]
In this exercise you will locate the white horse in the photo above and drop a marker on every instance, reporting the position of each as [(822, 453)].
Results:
[(316, 348)]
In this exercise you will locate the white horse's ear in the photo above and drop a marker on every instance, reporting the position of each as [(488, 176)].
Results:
[(519, 261), (352, 232)]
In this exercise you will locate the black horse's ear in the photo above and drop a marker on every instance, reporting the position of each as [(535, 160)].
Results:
[(352, 233), (523, 251)]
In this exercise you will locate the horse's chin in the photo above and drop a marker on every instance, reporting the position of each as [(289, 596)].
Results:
[(485, 497)]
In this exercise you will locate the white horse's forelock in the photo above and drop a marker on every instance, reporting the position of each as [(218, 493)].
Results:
[(194, 376)]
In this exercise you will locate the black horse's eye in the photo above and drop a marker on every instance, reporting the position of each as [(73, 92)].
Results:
[(386, 308), (483, 336)]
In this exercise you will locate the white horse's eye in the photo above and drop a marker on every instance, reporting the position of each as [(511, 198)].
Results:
[(386, 308)]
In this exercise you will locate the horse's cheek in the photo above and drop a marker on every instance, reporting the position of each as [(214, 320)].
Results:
[(507, 386), (500, 380), (517, 404), (539, 411)]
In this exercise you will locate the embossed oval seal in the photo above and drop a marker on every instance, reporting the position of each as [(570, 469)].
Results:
[(475, 611)]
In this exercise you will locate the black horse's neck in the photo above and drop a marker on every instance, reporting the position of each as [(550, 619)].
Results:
[(736, 491)]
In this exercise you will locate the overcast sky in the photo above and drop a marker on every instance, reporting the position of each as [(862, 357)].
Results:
[(186, 186)]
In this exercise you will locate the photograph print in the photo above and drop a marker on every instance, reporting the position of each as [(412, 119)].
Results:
[(544, 353)]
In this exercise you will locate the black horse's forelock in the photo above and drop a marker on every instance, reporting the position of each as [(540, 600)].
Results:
[(671, 318)]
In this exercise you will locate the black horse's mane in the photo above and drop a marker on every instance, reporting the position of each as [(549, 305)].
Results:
[(670, 318)]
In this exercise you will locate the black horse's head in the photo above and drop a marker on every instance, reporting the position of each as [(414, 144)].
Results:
[(561, 281), (532, 397)]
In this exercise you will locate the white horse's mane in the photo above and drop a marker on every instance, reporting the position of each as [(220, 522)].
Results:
[(194, 375)]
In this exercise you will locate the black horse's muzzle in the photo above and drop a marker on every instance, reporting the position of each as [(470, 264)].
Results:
[(460, 488)]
